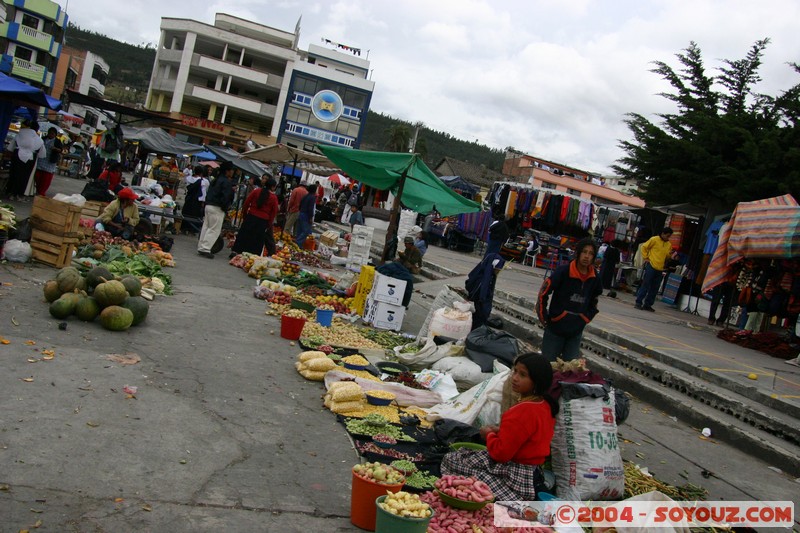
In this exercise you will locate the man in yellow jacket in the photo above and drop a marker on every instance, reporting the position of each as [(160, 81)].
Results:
[(655, 253)]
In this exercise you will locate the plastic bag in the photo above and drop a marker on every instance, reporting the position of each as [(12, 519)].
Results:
[(74, 199), (439, 382), (467, 406), (465, 373), (404, 396), (484, 345), (17, 251), (428, 354), (446, 298)]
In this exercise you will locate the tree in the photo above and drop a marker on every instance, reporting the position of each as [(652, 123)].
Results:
[(721, 147), (399, 137)]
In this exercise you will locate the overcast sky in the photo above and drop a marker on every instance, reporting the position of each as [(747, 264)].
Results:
[(552, 78)]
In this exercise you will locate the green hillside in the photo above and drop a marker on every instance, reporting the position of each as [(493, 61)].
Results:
[(130, 67)]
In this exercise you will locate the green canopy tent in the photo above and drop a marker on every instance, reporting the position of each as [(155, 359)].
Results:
[(407, 176)]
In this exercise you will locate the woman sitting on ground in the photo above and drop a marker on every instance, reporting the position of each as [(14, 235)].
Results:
[(121, 216), (512, 463)]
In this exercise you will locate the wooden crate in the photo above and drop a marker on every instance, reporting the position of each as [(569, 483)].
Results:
[(53, 250), (93, 209), (54, 217)]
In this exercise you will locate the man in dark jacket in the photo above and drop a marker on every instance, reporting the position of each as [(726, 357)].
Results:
[(498, 235), (480, 287), (218, 201), (575, 290)]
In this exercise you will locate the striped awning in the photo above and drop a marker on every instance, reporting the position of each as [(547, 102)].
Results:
[(762, 229)]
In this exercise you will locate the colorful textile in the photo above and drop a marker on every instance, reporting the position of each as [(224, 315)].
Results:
[(767, 228)]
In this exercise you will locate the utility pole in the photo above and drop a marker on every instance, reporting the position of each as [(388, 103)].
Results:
[(417, 126)]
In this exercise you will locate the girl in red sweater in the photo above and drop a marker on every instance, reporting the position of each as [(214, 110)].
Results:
[(512, 462)]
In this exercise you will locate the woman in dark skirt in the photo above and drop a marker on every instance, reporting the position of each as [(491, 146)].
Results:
[(260, 209), (512, 463)]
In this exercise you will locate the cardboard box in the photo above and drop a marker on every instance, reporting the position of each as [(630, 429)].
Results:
[(384, 316), (363, 231), (388, 290), (365, 279), (329, 238)]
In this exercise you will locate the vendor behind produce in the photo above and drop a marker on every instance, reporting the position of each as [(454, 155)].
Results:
[(121, 215), (512, 463), (411, 258)]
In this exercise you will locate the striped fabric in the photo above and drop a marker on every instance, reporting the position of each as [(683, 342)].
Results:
[(765, 229)]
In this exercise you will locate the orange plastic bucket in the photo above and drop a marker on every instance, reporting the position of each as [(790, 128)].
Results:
[(363, 510), (292, 328)]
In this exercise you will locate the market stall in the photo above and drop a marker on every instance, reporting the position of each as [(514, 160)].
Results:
[(759, 252)]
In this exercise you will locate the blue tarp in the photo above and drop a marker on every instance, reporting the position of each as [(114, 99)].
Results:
[(14, 93), (289, 171), (457, 183), (209, 156)]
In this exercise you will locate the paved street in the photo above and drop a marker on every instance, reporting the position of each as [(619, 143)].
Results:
[(223, 434)]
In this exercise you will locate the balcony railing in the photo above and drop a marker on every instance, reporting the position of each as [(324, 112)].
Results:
[(26, 69), (232, 69), (35, 38)]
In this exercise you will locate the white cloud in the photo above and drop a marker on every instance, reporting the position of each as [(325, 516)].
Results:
[(551, 77)]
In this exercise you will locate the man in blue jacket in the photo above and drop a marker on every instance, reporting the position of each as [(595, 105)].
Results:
[(575, 289)]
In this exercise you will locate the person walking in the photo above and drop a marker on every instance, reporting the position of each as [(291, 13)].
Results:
[(608, 268), (260, 209), (293, 208), (480, 287), (655, 253), (218, 200), (46, 166), (305, 219), (575, 289), (498, 235), (356, 218), (25, 148)]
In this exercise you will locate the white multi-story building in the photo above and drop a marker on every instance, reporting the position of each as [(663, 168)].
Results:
[(238, 80)]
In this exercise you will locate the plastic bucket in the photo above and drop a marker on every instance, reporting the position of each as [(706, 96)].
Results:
[(362, 501), (325, 317), (386, 522), (292, 328)]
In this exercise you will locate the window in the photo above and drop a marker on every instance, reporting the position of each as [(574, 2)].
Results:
[(354, 99), (23, 53), (546, 185), (573, 192), (30, 21)]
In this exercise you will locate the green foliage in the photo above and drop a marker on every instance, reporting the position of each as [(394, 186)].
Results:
[(129, 65), (432, 145), (721, 147)]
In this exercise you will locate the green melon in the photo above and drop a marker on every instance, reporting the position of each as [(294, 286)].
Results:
[(132, 285), (82, 284), (116, 318), (98, 275), (62, 308), (68, 279), (110, 293), (51, 291), (87, 309), (139, 307)]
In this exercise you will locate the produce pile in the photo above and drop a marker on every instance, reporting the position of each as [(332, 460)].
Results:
[(121, 258), (638, 482), (102, 243), (405, 504), (119, 303)]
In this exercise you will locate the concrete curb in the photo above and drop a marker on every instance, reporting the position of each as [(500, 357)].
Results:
[(732, 421)]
